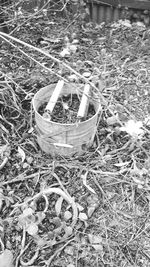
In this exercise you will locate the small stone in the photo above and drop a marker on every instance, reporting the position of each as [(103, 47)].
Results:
[(86, 74)]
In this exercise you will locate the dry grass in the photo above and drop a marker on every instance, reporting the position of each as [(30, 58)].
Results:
[(117, 166)]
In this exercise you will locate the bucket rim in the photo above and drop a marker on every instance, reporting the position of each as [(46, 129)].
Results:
[(65, 124)]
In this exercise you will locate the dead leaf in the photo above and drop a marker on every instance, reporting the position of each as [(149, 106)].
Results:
[(96, 242), (1, 203), (4, 151), (75, 41), (67, 215), (65, 106), (31, 130), (21, 153), (93, 200), (86, 74), (73, 48), (91, 211), (29, 160), (82, 216), (134, 128), (84, 177), (138, 174), (98, 247), (26, 218), (94, 239), (40, 241), (58, 205), (80, 208), (57, 221), (1, 198), (73, 78), (122, 164), (40, 216), (69, 250), (25, 165), (147, 163), (32, 229), (68, 231), (6, 259), (65, 52), (28, 212), (112, 120), (57, 231), (138, 181)]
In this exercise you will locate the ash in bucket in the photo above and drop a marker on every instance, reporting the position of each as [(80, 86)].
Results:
[(66, 109)]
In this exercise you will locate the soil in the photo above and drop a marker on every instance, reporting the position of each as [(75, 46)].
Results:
[(66, 110), (84, 210)]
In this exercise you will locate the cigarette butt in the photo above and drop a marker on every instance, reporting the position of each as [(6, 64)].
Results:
[(54, 97), (83, 108)]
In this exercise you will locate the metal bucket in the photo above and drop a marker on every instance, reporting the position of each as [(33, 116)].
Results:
[(64, 139)]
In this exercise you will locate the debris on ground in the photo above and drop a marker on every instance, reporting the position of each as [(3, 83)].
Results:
[(84, 210)]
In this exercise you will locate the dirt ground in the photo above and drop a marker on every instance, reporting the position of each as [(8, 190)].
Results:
[(84, 210)]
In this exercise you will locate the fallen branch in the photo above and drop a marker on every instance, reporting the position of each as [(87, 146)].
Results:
[(21, 178), (57, 191), (3, 35), (5, 160)]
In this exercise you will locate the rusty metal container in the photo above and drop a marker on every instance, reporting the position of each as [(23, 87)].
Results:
[(59, 138)]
